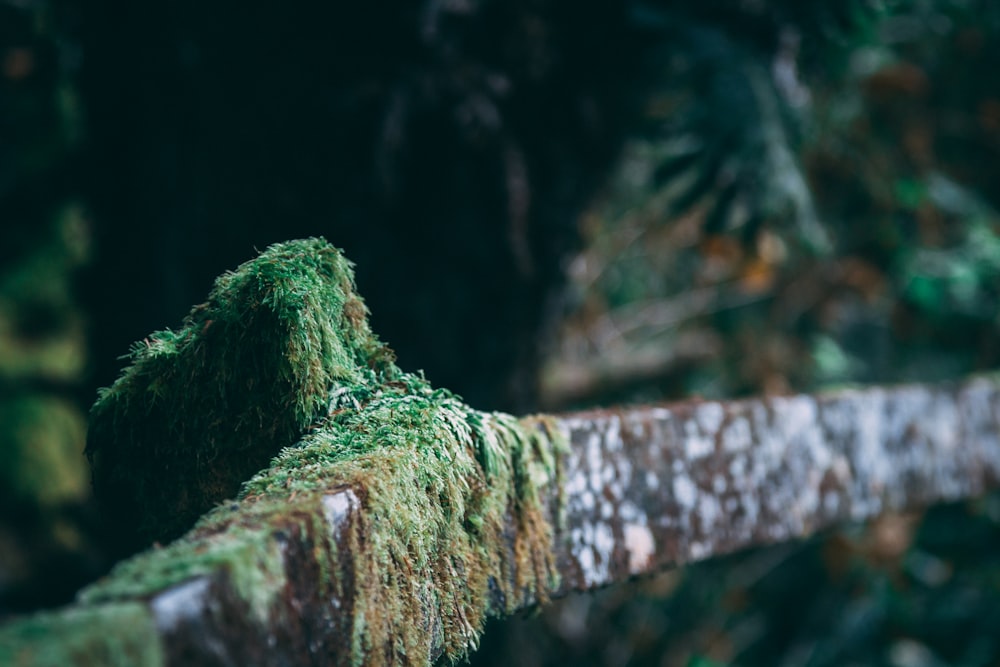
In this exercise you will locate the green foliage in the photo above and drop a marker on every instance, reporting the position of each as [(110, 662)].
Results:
[(116, 635), (958, 281), (200, 409), (701, 661), (899, 148), (897, 145), (728, 108), (41, 351), (41, 437), (43, 245)]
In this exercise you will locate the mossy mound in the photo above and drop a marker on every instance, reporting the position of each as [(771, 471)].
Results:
[(280, 363), (202, 408)]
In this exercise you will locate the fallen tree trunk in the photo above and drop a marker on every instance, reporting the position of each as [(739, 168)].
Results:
[(259, 581)]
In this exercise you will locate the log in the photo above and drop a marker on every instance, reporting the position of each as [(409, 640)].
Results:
[(656, 487), (285, 577)]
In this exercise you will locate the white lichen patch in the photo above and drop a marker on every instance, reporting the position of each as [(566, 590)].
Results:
[(719, 484), (585, 558), (709, 417), (698, 551), (595, 460), (736, 435), (942, 426), (831, 503), (709, 512), (685, 492), (697, 443), (613, 436), (652, 480), (184, 602), (660, 414), (737, 469), (715, 476), (640, 546), (337, 507), (593, 544), (629, 512)]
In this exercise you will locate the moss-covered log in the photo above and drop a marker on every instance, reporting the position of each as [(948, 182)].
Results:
[(373, 559), (383, 537), (401, 518), (280, 362)]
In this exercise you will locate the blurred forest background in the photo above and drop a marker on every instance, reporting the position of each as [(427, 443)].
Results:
[(551, 205)]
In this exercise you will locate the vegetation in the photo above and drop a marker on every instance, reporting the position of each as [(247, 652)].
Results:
[(767, 196), (247, 374), (48, 544), (282, 351)]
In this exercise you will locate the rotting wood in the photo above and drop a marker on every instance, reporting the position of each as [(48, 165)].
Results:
[(643, 489)]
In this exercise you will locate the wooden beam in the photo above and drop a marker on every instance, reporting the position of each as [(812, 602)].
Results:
[(655, 487), (639, 490)]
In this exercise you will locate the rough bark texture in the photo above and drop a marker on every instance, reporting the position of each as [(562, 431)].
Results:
[(654, 487), (642, 489)]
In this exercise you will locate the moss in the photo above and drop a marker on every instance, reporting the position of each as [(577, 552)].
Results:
[(115, 634), (243, 551), (200, 409), (440, 481), (453, 518), (436, 523)]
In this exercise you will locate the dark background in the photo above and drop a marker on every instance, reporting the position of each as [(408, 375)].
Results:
[(550, 204)]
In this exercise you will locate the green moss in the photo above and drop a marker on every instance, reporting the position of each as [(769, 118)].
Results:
[(435, 538), (440, 481), (114, 634), (200, 409), (281, 357), (245, 553)]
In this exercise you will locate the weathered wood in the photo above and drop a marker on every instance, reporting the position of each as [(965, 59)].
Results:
[(655, 487), (641, 489)]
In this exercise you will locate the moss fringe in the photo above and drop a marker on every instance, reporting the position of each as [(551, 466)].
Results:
[(281, 358)]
